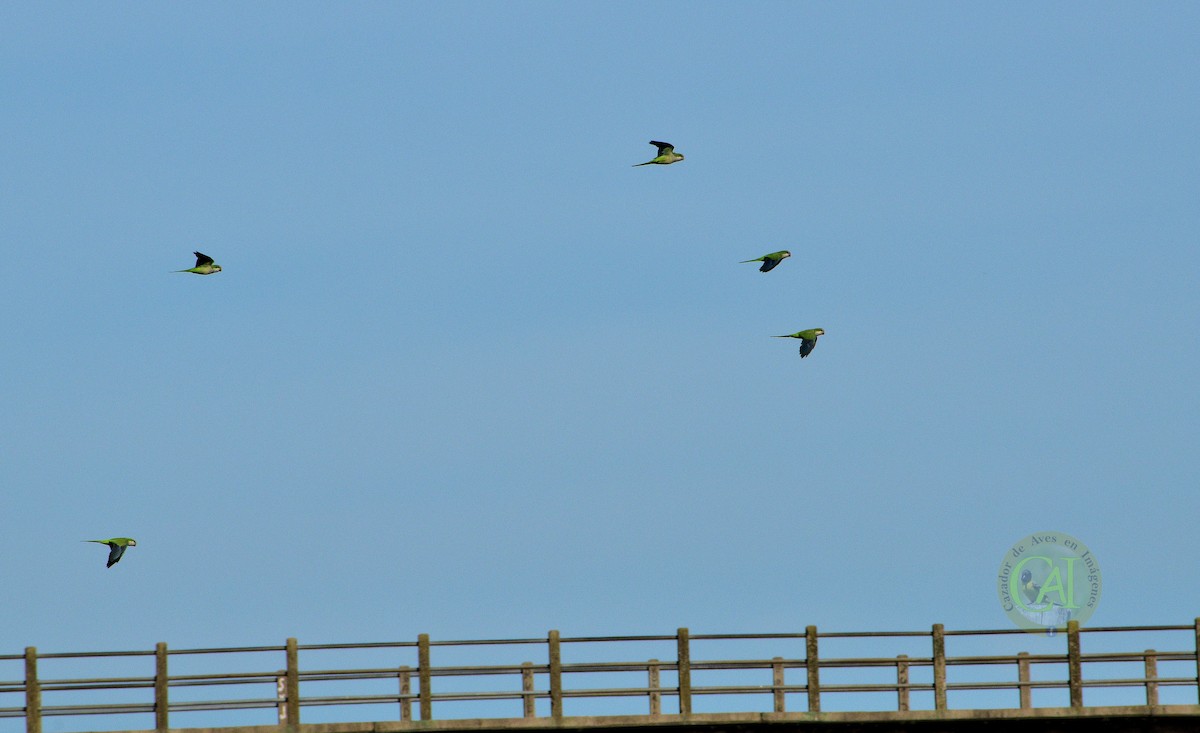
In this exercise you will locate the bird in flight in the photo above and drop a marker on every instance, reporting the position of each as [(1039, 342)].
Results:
[(770, 261), (666, 155), (204, 265), (808, 339), (116, 548)]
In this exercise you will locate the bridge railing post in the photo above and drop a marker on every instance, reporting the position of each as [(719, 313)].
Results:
[(293, 683), (1197, 648), (684, 667), (33, 693), (813, 667), (902, 683), (939, 667), (405, 677), (528, 699), (1151, 658), (424, 677), (1023, 687), (1074, 664), (777, 685), (556, 690), (652, 681), (161, 703)]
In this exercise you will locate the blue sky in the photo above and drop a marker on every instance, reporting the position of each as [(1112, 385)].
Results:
[(469, 373)]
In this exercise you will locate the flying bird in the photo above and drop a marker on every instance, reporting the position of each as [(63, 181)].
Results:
[(808, 339), (666, 155), (770, 261), (204, 265), (116, 548)]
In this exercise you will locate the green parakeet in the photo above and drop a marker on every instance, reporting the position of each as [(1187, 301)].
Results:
[(770, 261), (666, 155), (204, 265), (116, 548), (1029, 589), (808, 339)]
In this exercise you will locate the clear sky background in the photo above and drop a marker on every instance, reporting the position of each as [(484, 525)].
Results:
[(469, 373)]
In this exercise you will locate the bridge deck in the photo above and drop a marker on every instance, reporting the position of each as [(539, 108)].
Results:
[(1121, 719)]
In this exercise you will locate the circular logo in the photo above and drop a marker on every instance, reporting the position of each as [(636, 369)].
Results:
[(1048, 579)]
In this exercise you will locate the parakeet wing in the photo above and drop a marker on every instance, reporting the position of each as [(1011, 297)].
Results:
[(768, 264), (663, 148), (114, 553), (202, 259), (806, 347)]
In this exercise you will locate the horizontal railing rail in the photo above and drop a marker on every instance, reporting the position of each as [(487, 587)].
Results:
[(788, 680)]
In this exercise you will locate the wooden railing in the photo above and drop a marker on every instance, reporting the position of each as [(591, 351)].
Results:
[(532, 683)]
